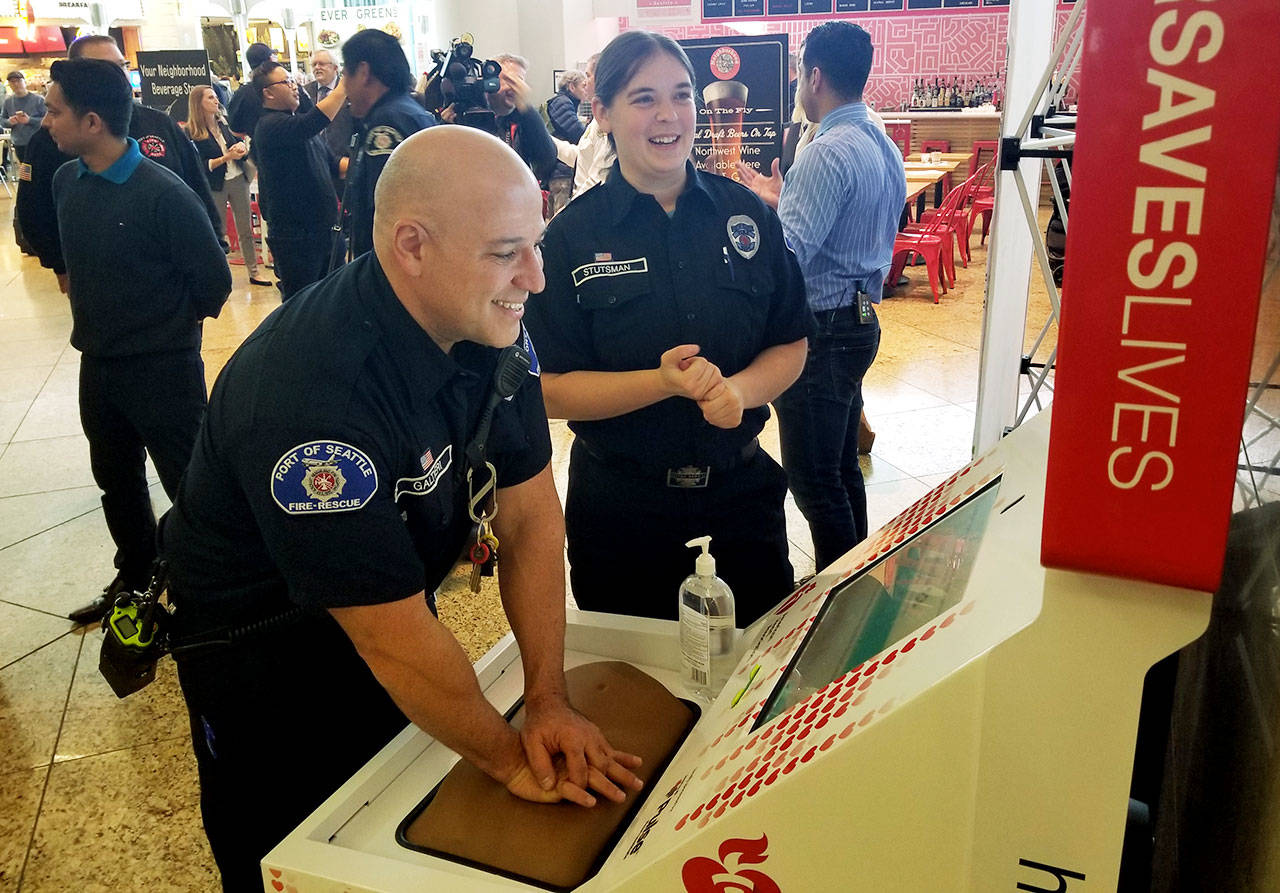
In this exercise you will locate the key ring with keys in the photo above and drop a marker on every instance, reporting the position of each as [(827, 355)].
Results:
[(476, 499)]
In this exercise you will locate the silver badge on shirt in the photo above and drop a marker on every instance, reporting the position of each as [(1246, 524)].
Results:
[(744, 235)]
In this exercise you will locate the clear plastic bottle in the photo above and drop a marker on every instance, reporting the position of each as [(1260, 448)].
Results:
[(708, 630)]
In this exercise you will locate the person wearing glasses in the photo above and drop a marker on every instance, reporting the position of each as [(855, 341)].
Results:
[(337, 136), (295, 177)]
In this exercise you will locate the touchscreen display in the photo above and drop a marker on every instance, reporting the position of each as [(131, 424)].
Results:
[(904, 591)]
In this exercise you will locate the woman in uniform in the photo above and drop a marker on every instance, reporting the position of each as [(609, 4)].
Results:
[(673, 313)]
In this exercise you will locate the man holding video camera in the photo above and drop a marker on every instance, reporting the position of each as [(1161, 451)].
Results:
[(516, 119)]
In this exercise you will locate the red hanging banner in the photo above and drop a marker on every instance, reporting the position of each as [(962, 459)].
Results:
[(1173, 180)]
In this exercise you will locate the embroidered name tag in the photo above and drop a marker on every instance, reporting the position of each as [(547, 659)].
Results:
[(424, 484), (323, 476), (587, 272)]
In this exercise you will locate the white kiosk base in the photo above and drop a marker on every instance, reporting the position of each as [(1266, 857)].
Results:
[(936, 712)]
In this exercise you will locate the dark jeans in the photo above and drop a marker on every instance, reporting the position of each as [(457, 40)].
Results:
[(627, 532), (279, 721), (301, 258), (818, 426), (129, 407)]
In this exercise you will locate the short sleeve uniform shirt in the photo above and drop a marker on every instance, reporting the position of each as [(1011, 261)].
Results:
[(330, 471), (626, 282), (392, 119)]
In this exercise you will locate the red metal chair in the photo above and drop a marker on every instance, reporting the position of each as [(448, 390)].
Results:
[(984, 206), (900, 133), (980, 146), (954, 222), (233, 235), (982, 202), (928, 243)]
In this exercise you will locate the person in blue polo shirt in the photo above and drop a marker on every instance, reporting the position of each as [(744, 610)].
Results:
[(144, 268)]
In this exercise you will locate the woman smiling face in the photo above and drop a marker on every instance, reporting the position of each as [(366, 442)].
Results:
[(652, 121)]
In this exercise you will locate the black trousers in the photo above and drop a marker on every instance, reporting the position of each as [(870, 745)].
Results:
[(279, 721), (129, 407), (301, 257), (21, 153), (627, 532)]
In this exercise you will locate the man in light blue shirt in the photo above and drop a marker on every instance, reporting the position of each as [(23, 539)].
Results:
[(839, 208)]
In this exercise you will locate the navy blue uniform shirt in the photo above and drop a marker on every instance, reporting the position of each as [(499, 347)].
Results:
[(625, 283), (329, 470), (385, 126)]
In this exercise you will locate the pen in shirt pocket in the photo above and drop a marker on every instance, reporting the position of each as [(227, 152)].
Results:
[(728, 263)]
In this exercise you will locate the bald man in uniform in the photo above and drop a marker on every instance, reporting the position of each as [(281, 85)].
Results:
[(326, 501)]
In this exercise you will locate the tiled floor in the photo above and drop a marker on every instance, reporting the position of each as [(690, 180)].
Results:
[(99, 793)]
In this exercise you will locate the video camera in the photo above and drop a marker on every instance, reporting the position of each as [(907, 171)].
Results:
[(462, 81)]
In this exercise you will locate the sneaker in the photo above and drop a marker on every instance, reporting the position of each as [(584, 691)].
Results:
[(98, 608)]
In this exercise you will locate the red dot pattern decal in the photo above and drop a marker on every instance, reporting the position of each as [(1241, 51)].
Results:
[(922, 513), (776, 751)]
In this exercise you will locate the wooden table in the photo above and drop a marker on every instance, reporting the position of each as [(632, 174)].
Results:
[(958, 157), (921, 179), (950, 162), (925, 166)]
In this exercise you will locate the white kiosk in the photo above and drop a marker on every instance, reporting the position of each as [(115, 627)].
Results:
[(937, 712)]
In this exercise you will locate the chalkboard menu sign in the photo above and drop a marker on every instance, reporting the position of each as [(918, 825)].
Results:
[(745, 8), (717, 9), (886, 5), (815, 7), (169, 75), (853, 5), (741, 90), (786, 7)]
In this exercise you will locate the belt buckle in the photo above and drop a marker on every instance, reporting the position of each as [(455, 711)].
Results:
[(689, 477)]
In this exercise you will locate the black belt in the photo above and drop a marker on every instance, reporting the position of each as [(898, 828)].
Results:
[(847, 311), (214, 634), (683, 477)]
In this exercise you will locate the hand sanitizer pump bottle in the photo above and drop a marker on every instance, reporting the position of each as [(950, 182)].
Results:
[(707, 626)]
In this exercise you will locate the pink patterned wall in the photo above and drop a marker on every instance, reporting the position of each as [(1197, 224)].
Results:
[(907, 47)]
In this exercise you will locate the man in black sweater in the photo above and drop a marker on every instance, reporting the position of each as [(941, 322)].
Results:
[(144, 268), (295, 177), (246, 105), (159, 139)]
